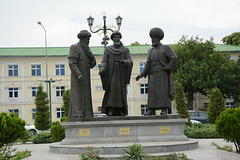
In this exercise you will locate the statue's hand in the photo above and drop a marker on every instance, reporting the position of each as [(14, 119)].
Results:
[(101, 70), (123, 62), (138, 77), (80, 77), (166, 68)]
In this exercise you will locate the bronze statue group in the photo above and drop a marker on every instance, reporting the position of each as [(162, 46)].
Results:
[(115, 72)]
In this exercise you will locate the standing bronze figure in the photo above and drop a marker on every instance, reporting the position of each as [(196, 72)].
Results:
[(115, 71), (81, 60), (160, 62)]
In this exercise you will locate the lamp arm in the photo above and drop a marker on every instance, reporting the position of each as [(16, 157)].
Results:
[(109, 29), (96, 30)]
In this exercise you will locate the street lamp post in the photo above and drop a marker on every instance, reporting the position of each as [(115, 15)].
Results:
[(50, 99), (49, 82), (105, 29), (45, 52)]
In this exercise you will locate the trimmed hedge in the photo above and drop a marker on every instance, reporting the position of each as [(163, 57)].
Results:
[(42, 137), (201, 131)]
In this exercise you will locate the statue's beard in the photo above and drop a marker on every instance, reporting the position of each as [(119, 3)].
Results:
[(154, 44), (117, 44)]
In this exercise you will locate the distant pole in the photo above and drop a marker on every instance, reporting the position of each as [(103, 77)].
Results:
[(45, 52)]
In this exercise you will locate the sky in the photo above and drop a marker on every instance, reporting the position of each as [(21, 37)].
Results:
[(64, 19)]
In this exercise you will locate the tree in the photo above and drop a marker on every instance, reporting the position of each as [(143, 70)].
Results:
[(57, 131), (228, 126), (192, 55), (233, 39), (216, 105), (66, 102), (42, 119), (135, 43), (180, 101), (11, 128), (236, 89), (224, 74), (200, 68)]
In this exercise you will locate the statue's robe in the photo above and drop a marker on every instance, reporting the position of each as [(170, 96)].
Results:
[(160, 82), (115, 77), (80, 93)]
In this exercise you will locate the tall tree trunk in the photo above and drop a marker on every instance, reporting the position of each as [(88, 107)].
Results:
[(190, 100)]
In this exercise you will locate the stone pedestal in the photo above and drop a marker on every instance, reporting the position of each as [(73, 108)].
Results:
[(124, 129), (111, 134)]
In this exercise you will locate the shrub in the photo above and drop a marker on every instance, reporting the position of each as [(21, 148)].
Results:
[(225, 147), (57, 131), (228, 126), (7, 153), (216, 105), (42, 137), (201, 131), (23, 154), (11, 128), (174, 156), (90, 154), (134, 152), (25, 136), (180, 102)]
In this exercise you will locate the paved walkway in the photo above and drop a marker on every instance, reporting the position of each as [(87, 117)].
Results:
[(205, 151)]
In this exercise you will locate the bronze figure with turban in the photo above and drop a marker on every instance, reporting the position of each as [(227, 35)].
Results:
[(160, 62)]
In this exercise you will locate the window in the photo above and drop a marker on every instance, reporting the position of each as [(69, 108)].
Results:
[(144, 109), (13, 92), (205, 105), (100, 108), (16, 111), (230, 105), (36, 70), (33, 113), (13, 70), (34, 91), (60, 113), (141, 66), (144, 88), (60, 90), (60, 69)]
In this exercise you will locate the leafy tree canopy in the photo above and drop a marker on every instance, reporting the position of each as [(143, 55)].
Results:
[(136, 43), (11, 128), (233, 39), (200, 68), (228, 126), (192, 55)]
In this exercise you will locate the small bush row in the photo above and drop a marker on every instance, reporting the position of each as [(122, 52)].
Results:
[(43, 137), (201, 131)]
